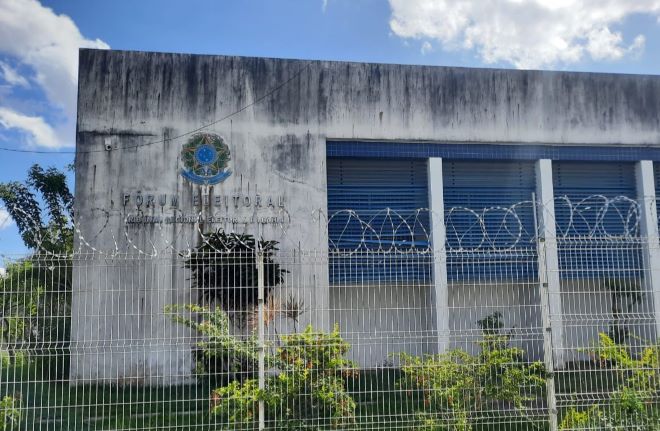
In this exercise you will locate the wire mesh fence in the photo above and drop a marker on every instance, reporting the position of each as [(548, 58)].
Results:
[(236, 334)]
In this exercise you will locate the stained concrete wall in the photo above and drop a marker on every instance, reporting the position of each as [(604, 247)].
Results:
[(381, 320), (128, 100)]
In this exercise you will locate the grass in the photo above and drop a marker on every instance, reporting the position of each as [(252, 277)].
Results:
[(384, 404), (49, 402), (582, 385)]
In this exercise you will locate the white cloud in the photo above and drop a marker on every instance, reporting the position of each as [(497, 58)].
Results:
[(426, 47), (12, 77), (35, 36), (5, 219), (525, 33), (37, 131), (324, 5)]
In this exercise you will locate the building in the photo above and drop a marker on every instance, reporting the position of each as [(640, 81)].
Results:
[(385, 159)]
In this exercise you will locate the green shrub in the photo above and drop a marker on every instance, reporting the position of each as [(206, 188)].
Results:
[(17, 358), (224, 269), (633, 405), (457, 385), (10, 412), (310, 383), (307, 387), (305, 381), (35, 308), (216, 341)]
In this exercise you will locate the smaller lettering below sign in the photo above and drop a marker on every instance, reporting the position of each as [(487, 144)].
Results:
[(139, 219), (226, 209)]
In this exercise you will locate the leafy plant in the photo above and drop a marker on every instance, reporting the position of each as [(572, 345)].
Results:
[(491, 324), (238, 403), (218, 347), (492, 330), (633, 405), (305, 381), (34, 306), (224, 269), (10, 412), (292, 309), (52, 232), (308, 385), (449, 385), (457, 385), (35, 293)]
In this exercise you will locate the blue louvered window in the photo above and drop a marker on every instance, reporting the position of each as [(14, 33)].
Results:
[(378, 226), (489, 219), (597, 219)]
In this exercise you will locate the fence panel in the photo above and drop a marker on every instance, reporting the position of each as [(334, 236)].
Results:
[(611, 375), (236, 334)]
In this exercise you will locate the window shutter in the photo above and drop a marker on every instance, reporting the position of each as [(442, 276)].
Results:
[(596, 217), (370, 188), (490, 192)]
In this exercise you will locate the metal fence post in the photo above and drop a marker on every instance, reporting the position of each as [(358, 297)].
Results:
[(547, 341), (261, 335), (545, 323)]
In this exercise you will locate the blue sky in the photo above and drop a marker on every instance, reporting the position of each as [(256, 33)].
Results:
[(39, 42)]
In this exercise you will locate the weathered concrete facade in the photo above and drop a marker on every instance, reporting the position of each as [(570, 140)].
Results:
[(135, 111)]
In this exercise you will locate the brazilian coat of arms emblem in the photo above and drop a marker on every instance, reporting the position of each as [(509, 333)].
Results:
[(205, 159)]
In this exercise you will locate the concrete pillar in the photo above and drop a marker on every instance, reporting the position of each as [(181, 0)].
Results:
[(438, 236), (649, 233), (549, 259)]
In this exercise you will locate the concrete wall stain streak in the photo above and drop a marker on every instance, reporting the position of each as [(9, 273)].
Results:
[(278, 146)]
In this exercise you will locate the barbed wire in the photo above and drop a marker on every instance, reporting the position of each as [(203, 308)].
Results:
[(349, 231), (598, 216)]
